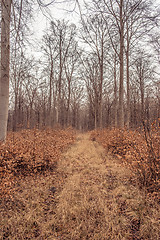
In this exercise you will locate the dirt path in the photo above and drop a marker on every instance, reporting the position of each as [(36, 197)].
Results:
[(89, 196), (97, 200)]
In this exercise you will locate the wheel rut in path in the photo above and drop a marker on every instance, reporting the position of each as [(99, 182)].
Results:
[(97, 199)]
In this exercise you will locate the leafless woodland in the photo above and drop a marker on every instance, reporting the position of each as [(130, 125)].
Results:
[(102, 71)]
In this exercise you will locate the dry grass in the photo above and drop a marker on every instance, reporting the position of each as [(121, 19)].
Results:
[(90, 196), (98, 200), (29, 159), (31, 152), (139, 150), (29, 214)]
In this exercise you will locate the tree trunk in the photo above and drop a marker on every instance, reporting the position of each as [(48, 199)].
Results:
[(100, 98), (115, 95), (68, 101), (15, 114), (59, 81), (101, 63), (128, 84), (141, 82), (50, 95), (5, 60), (142, 98), (121, 91)]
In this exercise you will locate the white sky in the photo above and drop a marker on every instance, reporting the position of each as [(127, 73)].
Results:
[(43, 17), (56, 11)]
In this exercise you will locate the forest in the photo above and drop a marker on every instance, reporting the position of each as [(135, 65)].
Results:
[(101, 72), (80, 120)]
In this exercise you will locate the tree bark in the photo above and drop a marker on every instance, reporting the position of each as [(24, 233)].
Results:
[(59, 80), (115, 94), (101, 87), (50, 95), (128, 83), (121, 90), (5, 60)]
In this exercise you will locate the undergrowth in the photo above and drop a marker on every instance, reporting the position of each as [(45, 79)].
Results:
[(29, 153), (140, 150)]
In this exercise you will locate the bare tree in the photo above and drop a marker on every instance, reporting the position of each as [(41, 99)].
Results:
[(130, 21), (5, 59), (71, 65), (94, 34), (60, 49), (5, 53), (144, 74)]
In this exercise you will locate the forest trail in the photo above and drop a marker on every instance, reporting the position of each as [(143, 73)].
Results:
[(88, 196), (97, 200)]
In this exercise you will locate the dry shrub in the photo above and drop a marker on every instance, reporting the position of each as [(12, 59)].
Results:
[(139, 150), (31, 152)]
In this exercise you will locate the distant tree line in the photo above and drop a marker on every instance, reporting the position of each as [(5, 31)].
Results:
[(101, 73)]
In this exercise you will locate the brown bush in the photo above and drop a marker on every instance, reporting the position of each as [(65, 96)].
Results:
[(31, 152), (140, 150)]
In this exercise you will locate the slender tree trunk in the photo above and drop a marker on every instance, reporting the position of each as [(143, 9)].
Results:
[(100, 100), (50, 94), (101, 62), (128, 84), (95, 111), (121, 90), (115, 95), (95, 118), (141, 82), (15, 114), (142, 98), (68, 101), (59, 81), (5, 60), (158, 109)]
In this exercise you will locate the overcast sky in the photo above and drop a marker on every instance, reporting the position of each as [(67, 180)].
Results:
[(43, 16)]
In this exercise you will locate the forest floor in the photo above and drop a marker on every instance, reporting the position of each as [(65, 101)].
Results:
[(89, 196)]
